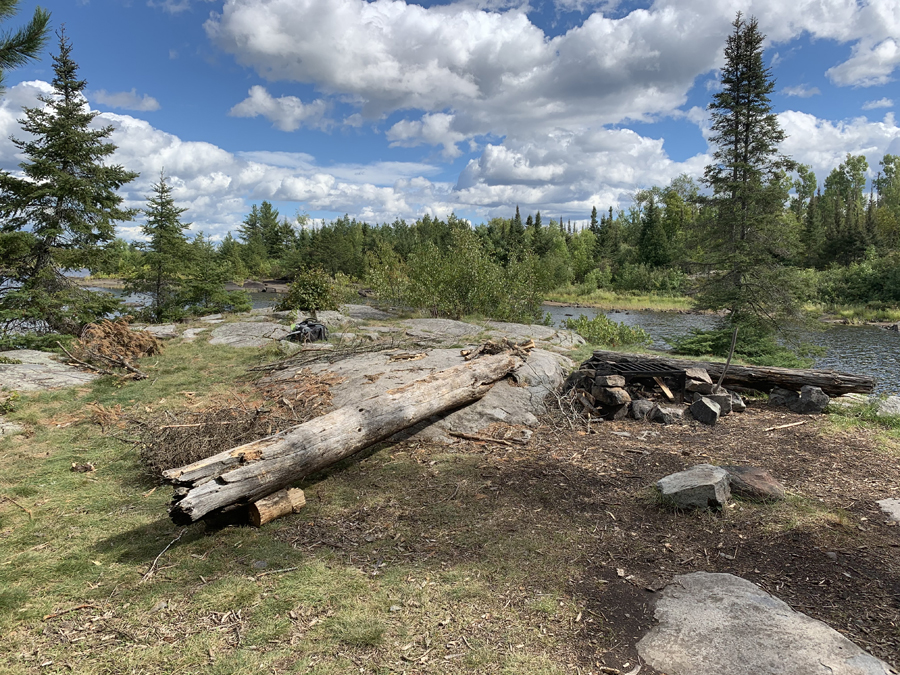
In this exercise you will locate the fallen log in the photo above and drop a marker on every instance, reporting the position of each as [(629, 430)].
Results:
[(760, 378), (247, 473), (276, 505)]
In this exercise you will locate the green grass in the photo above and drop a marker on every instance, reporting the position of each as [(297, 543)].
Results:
[(858, 313), (611, 300), (393, 529)]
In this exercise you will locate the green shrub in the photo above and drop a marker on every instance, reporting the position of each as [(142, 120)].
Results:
[(311, 290), (646, 279), (602, 331)]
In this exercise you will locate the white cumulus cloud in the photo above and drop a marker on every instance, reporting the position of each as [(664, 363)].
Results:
[(287, 113), (801, 91), (126, 100), (880, 103)]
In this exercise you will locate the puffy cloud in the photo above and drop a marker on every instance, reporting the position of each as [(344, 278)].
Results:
[(433, 129), (823, 144), (880, 103), (126, 100), (287, 113), (870, 65), (801, 91)]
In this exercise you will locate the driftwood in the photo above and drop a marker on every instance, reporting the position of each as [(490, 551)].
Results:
[(248, 473), (761, 378)]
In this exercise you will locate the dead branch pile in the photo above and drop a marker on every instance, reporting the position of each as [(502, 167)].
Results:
[(501, 346), (178, 439), (112, 344)]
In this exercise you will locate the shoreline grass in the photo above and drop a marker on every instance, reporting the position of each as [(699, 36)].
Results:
[(601, 299)]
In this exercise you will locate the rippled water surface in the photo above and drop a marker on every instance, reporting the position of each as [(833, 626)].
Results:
[(864, 350)]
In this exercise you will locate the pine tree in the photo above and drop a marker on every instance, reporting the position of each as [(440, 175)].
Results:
[(750, 240), (63, 209), (653, 245), (166, 257), (18, 48)]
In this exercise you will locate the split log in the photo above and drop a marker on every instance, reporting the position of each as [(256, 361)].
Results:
[(247, 473), (276, 505), (760, 378)]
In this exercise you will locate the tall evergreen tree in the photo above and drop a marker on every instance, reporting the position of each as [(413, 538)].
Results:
[(653, 245), (63, 208), (750, 240)]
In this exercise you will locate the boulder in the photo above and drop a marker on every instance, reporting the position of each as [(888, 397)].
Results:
[(667, 414), (705, 410), (713, 624), (888, 406), (812, 401), (641, 408), (754, 483), (699, 387), (782, 397), (611, 395), (703, 486), (698, 375), (891, 508)]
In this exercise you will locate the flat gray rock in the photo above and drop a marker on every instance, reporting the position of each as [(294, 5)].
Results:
[(667, 414), (10, 428), (442, 328), (889, 406), (368, 375), (521, 332), (703, 486), (891, 508), (248, 334), (640, 408), (365, 313), (718, 624), (753, 483), (705, 410), (39, 371), (191, 334)]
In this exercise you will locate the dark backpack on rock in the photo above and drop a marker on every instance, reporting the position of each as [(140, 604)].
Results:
[(308, 331)]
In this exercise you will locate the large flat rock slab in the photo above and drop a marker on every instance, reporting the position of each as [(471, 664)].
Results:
[(39, 371), (372, 374), (712, 624), (522, 332), (248, 334)]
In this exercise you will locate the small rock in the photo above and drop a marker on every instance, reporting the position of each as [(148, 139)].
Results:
[(164, 331), (10, 428), (611, 396), (395, 608), (891, 508), (894, 327), (641, 408), (812, 401), (705, 411), (702, 486), (698, 375), (782, 397), (699, 387), (831, 555), (849, 401), (667, 414), (260, 564), (737, 403), (888, 406), (609, 381), (754, 483), (211, 318), (723, 398), (621, 434), (616, 412), (159, 606)]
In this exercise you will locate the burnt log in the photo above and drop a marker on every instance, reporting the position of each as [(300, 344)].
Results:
[(759, 378), (247, 473)]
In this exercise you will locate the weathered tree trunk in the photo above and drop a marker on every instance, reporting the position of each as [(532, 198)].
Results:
[(249, 472), (761, 378)]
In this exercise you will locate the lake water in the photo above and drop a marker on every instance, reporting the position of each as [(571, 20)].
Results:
[(864, 350)]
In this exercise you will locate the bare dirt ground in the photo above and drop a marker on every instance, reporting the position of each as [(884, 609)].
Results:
[(578, 506)]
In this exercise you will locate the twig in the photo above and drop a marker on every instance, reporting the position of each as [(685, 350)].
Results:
[(13, 501), (785, 426), (153, 566), (487, 439), (102, 371), (281, 571), (66, 611)]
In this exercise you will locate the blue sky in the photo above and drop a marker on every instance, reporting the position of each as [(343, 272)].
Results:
[(392, 109)]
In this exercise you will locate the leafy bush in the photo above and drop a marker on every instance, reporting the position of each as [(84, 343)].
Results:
[(312, 290), (646, 279), (602, 331)]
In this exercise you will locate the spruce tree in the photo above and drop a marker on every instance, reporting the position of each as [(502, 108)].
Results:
[(653, 245), (61, 212), (166, 256), (750, 240)]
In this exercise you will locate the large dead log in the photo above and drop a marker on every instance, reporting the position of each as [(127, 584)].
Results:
[(761, 378), (249, 472)]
